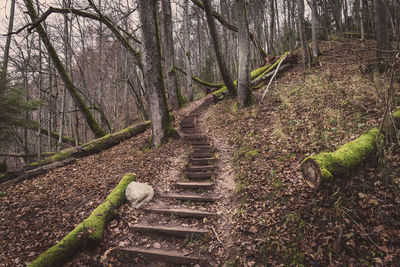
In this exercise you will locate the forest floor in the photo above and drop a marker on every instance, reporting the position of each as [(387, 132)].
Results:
[(267, 214)]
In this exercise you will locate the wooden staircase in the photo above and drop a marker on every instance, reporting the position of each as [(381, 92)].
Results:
[(195, 187)]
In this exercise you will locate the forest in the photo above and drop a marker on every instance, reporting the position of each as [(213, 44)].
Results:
[(199, 133)]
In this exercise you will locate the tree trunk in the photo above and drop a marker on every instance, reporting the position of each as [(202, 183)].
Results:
[(3, 71), (186, 38), (361, 15), (155, 90), (244, 92), (381, 28), (271, 27), (314, 27), (174, 94), (94, 126), (306, 49), (214, 39)]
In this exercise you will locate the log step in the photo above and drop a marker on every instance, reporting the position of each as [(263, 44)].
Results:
[(194, 185), (172, 230), (171, 256), (201, 168), (195, 137), (198, 175), (202, 161), (202, 154), (201, 143), (203, 147), (191, 197), (183, 212)]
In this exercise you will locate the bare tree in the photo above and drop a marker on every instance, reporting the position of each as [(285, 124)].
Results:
[(306, 49), (174, 94), (3, 71), (161, 126), (215, 41)]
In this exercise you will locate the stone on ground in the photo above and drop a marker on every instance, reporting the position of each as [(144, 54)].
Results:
[(138, 194)]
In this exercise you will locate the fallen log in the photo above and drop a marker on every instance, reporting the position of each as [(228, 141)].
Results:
[(92, 147), (89, 231), (11, 178), (200, 81), (342, 162)]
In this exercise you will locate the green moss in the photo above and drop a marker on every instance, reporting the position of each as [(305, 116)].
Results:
[(396, 114), (3, 194), (348, 157), (91, 229)]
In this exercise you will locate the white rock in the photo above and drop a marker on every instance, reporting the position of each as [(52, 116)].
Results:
[(138, 194)]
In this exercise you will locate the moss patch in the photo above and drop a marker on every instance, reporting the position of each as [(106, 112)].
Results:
[(91, 229)]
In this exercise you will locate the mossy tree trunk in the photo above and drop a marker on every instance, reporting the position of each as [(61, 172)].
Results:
[(342, 162), (90, 230), (94, 126), (215, 41), (161, 126)]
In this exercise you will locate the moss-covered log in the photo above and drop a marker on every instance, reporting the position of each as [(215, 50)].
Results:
[(326, 166), (200, 81), (89, 231), (94, 146), (66, 156)]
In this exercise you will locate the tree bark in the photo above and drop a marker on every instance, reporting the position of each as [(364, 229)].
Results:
[(186, 38), (381, 29), (3, 71), (174, 94), (314, 27), (306, 49), (244, 92), (161, 126), (215, 41), (94, 126), (327, 166)]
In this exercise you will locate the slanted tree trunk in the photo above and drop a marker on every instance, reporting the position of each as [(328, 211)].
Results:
[(214, 39), (3, 71), (302, 29), (161, 126), (174, 94), (94, 126), (244, 92)]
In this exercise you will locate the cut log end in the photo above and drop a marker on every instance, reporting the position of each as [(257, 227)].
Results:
[(311, 173)]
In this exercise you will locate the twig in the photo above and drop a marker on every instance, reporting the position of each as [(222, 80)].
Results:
[(270, 81), (216, 234), (362, 229)]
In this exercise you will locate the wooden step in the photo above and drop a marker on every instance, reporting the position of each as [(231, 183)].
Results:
[(203, 147), (200, 143), (194, 185), (191, 197), (200, 168), (202, 161), (171, 230), (195, 137), (202, 154), (198, 175), (171, 256), (183, 212)]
